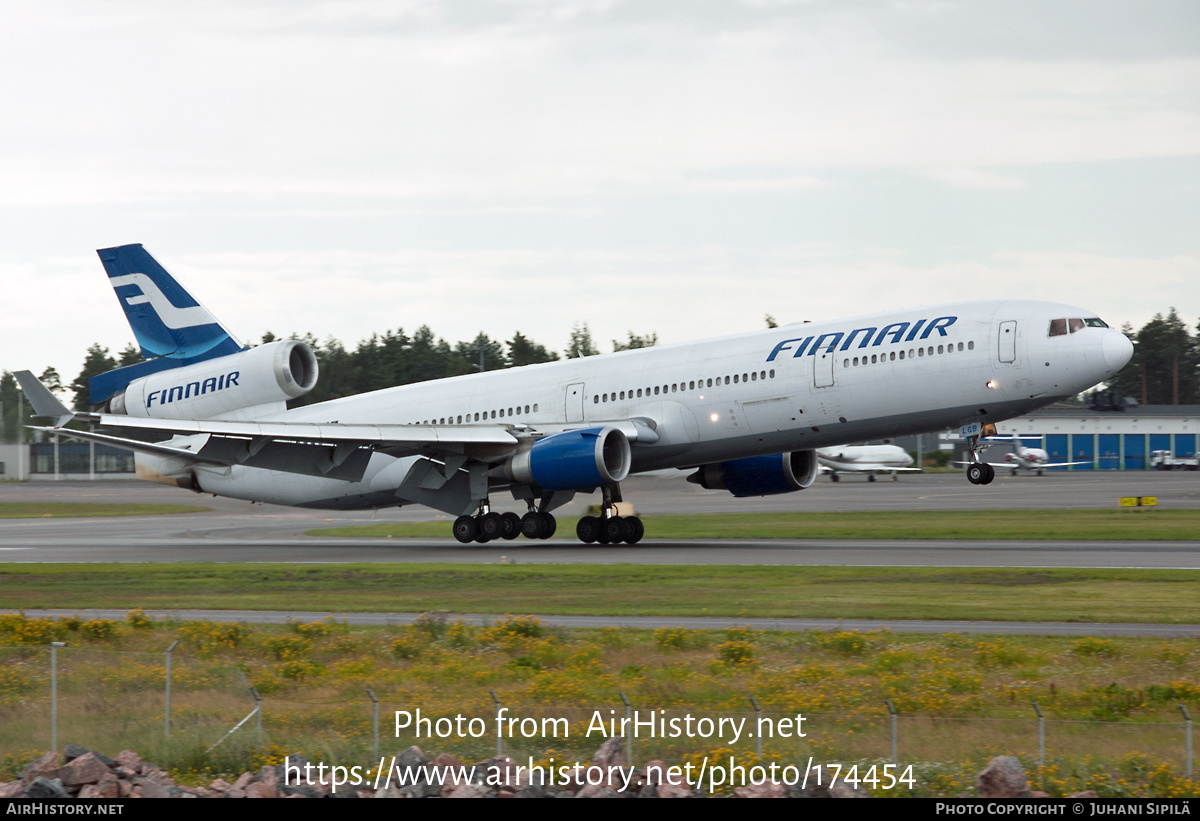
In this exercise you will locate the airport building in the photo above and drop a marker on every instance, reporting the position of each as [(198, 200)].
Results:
[(1109, 439)]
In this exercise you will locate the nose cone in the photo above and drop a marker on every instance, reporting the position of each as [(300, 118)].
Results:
[(1118, 350)]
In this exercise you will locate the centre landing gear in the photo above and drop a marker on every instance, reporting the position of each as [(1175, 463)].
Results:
[(486, 526), (609, 528)]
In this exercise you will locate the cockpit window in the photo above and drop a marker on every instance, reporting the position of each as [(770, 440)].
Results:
[(1076, 324), (1058, 327), (1095, 323)]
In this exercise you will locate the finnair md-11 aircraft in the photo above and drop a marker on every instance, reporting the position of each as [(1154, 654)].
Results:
[(745, 412)]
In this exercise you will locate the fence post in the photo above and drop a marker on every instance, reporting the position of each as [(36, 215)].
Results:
[(167, 705), (374, 722), (895, 731), (1187, 727), (1041, 736), (628, 723), (757, 724), (257, 716), (54, 645), (499, 741)]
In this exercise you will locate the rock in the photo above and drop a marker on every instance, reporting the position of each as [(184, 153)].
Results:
[(1004, 777), (45, 767), (42, 787), (767, 789), (610, 754), (673, 791), (130, 760), (598, 791), (1084, 794), (414, 756), (83, 769), (468, 791), (261, 790)]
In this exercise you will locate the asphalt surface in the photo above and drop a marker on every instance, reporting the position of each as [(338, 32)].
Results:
[(236, 531)]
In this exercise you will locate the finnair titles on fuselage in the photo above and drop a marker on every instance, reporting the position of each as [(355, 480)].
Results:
[(745, 413), (896, 331)]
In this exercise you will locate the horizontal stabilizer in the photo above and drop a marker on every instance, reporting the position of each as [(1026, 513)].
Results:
[(44, 402)]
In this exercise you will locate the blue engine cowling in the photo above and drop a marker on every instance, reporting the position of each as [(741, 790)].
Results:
[(760, 475), (573, 460)]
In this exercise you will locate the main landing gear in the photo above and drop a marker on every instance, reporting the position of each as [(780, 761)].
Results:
[(488, 525), (609, 528)]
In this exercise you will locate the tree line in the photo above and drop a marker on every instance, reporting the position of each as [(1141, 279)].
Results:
[(380, 361), (1165, 369)]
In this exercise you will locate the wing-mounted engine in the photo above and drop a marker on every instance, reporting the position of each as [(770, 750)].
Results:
[(572, 460), (258, 380), (760, 475)]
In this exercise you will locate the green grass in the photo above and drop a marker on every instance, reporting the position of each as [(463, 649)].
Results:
[(1073, 595), (1086, 525), (59, 510)]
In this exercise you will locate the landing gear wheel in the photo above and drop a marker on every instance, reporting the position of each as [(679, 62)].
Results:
[(533, 525), (991, 474), (551, 525), (636, 530), (512, 525), (976, 473), (870, 477), (588, 529), (466, 529), (1014, 471), (491, 526), (833, 477), (615, 530)]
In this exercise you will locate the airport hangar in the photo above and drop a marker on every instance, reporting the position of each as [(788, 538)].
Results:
[(1121, 438)]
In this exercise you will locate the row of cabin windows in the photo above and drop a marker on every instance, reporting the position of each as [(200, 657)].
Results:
[(913, 353), (676, 387), (482, 416)]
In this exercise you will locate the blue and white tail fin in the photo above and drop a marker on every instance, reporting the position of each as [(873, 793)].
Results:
[(171, 326)]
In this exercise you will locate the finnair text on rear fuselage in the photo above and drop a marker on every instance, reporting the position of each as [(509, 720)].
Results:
[(198, 388)]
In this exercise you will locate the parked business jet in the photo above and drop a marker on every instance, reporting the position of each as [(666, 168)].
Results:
[(1023, 458), (746, 412), (868, 459)]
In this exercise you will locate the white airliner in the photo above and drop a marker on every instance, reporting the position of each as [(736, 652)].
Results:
[(868, 459), (746, 412)]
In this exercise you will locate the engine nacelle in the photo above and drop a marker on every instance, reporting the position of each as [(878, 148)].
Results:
[(270, 375), (760, 475), (573, 460)]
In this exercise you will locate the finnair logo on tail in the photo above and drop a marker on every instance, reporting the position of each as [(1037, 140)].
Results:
[(171, 316)]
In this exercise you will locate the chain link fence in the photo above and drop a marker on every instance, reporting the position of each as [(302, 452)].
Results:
[(166, 706)]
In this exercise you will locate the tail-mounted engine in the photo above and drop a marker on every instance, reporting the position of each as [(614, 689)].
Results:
[(267, 375), (573, 460), (760, 475)]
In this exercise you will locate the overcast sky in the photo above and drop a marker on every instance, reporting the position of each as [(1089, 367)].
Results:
[(350, 167)]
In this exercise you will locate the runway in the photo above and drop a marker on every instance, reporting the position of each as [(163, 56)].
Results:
[(236, 531)]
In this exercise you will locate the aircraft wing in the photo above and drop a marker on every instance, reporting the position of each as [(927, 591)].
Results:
[(863, 467), (334, 450)]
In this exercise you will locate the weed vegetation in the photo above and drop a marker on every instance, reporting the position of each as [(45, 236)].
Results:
[(1112, 703)]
